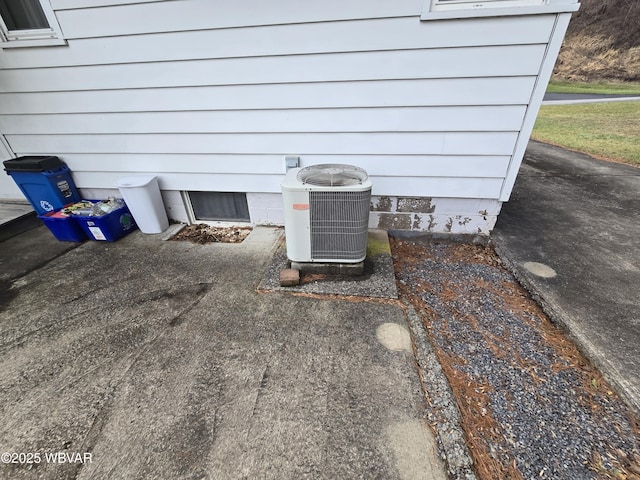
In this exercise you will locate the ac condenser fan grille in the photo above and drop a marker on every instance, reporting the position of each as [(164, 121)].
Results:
[(332, 175)]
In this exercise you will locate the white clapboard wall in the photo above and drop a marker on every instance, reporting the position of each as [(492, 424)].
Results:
[(212, 95)]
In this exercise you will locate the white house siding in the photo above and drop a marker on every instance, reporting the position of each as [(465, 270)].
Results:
[(212, 95)]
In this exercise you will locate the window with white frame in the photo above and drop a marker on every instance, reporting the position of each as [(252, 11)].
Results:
[(217, 206), (437, 5), (28, 23), (448, 9)]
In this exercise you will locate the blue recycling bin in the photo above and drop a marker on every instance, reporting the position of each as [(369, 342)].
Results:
[(44, 180)]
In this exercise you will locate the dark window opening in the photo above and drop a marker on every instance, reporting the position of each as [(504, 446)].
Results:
[(220, 206), (23, 15)]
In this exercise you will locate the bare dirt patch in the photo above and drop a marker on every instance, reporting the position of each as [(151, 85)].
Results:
[(202, 234), (602, 43), (593, 58)]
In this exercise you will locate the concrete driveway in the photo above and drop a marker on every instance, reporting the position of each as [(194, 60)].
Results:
[(154, 359), (571, 232)]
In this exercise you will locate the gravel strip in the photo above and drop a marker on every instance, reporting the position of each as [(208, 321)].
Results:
[(442, 412), (531, 405)]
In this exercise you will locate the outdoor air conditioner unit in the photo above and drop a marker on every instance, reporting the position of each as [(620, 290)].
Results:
[(326, 213)]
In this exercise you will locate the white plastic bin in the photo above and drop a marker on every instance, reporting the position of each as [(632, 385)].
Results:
[(141, 193)]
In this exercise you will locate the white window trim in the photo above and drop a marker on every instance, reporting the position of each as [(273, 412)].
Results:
[(449, 9), (33, 38)]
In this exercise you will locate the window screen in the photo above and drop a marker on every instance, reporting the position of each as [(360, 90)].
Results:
[(220, 206)]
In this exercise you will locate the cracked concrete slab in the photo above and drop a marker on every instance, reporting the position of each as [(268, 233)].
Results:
[(161, 360)]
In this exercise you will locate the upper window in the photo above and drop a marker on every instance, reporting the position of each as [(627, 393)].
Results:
[(447, 9), (469, 4), (28, 23)]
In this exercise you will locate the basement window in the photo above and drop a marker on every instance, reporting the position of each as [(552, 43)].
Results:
[(218, 206), (28, 23)]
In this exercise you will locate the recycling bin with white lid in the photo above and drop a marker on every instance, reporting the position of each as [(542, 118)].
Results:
[(141, 193)]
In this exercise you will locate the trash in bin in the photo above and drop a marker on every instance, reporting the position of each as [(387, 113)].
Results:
[(44, 180), (97, 208), (105, 220), (142, 195)]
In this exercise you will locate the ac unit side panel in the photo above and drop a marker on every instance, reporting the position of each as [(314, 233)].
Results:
[(296, 224)]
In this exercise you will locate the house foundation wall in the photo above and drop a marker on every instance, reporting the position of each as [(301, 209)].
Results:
[(420, 214), (435, 215)]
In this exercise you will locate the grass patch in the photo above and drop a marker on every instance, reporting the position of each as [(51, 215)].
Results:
[(605, 130), (606, 88)]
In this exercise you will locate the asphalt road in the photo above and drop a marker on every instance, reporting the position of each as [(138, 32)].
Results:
[(570, 98)]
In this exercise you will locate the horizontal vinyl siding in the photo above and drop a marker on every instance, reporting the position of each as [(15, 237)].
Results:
[(378, 165), (514, 60), (171, 16), (212, 95), (403, 186), (384, 143), (308, 38), (390, 174), (401, 119), (73, 4), (389, 93)]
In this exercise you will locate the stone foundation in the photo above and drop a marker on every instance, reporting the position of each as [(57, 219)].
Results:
[(435, 215)]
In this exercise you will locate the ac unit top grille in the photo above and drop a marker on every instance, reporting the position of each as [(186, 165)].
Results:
[(332, 175)]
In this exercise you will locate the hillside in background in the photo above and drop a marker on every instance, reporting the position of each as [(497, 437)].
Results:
[(603, 43)]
